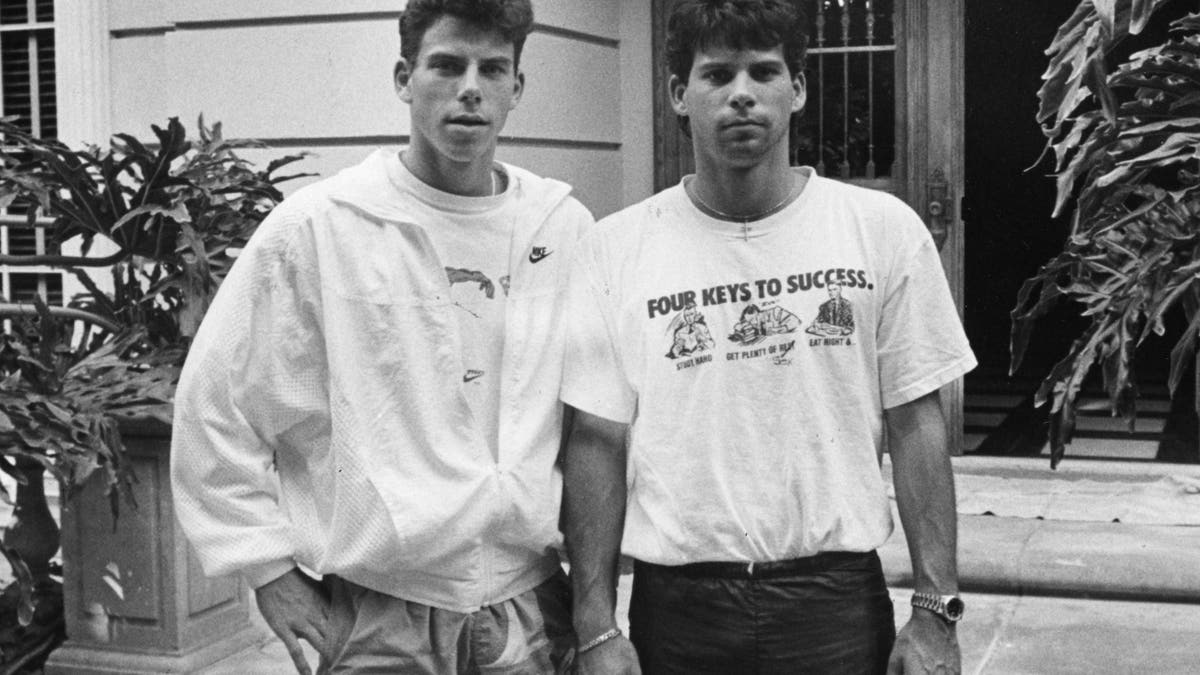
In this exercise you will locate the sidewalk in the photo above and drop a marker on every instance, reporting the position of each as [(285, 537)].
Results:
[(1002, 635), (1094, 568), (1055, 587)]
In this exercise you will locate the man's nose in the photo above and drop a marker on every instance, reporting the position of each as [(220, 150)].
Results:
[(741, 96), (469, 90)]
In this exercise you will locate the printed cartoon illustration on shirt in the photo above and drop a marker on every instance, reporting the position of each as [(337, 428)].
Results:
[(756, 324), (462, 276), (835, 317), (689, 333), (475, 302)]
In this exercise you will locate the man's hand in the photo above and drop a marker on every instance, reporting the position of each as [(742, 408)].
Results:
[(615, 657), (926, 645), (295, 606)]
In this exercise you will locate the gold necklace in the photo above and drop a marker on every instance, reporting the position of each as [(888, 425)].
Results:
[(744, 220)]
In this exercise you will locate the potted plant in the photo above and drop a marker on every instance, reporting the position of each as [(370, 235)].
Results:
[(163, 223), (1125, 138)]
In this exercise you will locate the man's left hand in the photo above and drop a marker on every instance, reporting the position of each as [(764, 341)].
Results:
[(926, 644)]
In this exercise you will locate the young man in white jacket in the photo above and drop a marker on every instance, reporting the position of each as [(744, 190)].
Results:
[(367, 425)]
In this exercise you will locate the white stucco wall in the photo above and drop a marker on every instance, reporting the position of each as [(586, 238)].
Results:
[(315, 75)]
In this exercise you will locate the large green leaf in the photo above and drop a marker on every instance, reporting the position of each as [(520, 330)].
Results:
[(1126, 142), (1183, 352), (1082, 40), (1141, 12), (1175, 148), (173, 208)]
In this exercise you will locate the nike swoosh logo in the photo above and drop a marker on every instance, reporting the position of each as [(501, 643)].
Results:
[(472, 375), (537, 256)]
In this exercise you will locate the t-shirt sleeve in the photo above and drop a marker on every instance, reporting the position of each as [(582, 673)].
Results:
[(594, 378), (921, 343)]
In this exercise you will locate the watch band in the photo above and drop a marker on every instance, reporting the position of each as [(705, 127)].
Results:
[(949, 607)]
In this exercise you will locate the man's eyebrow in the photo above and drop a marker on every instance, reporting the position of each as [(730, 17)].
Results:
[(772, 61), (459, 58), (450, 56)]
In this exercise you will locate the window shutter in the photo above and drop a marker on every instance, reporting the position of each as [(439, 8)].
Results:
[(27, 89)]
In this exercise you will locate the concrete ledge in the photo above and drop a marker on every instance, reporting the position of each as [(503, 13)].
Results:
[(1035, 556), (75, 659), (1071, 559), (1071, 468)]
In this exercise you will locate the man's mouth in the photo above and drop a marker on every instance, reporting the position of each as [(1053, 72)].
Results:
[(468, 121)]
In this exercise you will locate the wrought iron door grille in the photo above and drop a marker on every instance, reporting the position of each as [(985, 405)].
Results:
[(848, 127)]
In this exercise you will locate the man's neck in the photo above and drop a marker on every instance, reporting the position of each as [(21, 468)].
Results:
[(468, 179), (745, 191)]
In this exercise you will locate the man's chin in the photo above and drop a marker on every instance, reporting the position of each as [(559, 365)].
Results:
[(744, 154), (467, 149)]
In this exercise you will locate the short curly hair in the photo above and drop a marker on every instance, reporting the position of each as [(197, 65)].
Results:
[(740, 24), (512, 18)]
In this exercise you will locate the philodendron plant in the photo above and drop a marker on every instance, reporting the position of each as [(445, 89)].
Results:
[(171, 216), (1125, 139)]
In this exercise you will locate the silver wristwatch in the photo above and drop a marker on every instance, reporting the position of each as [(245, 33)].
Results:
[(949, 607)]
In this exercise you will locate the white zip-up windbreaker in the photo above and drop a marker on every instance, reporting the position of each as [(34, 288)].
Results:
[(320, 418)]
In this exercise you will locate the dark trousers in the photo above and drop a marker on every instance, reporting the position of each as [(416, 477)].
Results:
[(827, 614)]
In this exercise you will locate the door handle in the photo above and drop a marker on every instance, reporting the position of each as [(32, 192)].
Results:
[(939, 209)]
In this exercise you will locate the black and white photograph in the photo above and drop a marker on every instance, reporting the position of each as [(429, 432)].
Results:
[(599, 337)]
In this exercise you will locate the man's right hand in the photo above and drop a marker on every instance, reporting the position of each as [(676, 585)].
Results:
[(615, 657), (295, 606)]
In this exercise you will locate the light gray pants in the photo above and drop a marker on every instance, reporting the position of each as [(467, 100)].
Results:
[(377, 633)]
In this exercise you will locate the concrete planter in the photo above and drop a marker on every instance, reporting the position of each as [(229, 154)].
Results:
[(136, 599)]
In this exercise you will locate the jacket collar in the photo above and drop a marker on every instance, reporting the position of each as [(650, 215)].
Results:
[(371, 188)]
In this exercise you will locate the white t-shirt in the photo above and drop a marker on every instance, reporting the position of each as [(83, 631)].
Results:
[(754, 364), (473, 238)]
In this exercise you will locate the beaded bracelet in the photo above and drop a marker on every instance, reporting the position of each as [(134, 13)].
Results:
[(598, 640)]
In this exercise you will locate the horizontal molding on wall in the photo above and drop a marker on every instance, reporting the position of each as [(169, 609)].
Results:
[(140, 31), (577, 35), (217, 24), (262, 22), (403, 139)]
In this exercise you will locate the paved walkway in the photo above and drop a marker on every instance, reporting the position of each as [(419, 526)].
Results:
[(1053, 587), (1002, 635)]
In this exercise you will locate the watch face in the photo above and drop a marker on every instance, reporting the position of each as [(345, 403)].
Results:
[(954, 608)]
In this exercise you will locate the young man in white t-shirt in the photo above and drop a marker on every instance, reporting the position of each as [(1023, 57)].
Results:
[(750, 494), (368, 424)]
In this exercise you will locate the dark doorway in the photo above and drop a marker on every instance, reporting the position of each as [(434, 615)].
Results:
[(1009, 232)]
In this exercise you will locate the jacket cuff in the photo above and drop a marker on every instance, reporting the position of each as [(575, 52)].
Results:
[(261, 575)]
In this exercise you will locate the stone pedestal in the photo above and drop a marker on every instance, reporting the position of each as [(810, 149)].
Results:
[(136, 599)]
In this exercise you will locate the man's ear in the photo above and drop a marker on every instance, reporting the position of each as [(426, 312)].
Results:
[(676, 88), (401, 77), (518, 90), (800, 89)]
